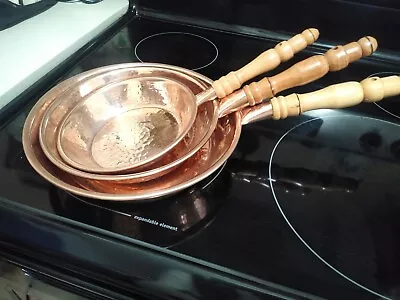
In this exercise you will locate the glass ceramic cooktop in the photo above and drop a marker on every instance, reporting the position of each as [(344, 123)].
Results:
[(310, 203)]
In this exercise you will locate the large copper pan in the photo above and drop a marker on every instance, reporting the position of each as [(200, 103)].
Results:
[(226, 135), (217, 149), (135, 120)]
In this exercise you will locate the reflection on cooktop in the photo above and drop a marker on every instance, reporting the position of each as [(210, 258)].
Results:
[(300, 181), (356, 234), (163, 222)]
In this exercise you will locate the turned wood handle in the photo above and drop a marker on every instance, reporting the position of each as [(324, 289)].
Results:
[(310, 69), (336, 96), (265, 62)]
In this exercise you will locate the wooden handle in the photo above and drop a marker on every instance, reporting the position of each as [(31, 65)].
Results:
[(336, 96), (310, 69), (265, 62)]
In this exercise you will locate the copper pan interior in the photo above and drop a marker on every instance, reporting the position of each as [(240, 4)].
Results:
[(210, 157), (126, 124), (58, 109)]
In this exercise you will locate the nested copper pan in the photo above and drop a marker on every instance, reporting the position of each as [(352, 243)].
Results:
[(196, 136)]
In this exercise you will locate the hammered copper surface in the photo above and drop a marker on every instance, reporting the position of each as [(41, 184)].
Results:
[(196, 137), (126, 124)]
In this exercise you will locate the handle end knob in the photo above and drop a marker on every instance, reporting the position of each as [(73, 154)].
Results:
[(376, 89), (311, 34), (341, 56), (368, 45)]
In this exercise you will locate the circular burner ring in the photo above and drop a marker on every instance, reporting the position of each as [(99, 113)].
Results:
[(384, 74), (271, 183), (184, 33)]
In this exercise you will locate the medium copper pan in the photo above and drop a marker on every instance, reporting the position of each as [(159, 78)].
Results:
[(217, 149), (301, 73), (131, 122), (93, 79)]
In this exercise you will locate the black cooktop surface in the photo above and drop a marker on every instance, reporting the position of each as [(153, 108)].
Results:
[(310, 203)]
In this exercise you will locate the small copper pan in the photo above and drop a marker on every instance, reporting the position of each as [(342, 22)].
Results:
[(217, 149), (131, 122)]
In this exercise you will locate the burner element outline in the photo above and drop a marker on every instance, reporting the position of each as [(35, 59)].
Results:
[(287, 219), (185, 33)]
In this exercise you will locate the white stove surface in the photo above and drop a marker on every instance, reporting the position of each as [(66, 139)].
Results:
[(30, 49)]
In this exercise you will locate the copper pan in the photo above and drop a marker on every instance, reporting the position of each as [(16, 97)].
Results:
[(197, 135), (217, 149), (126, 124)]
